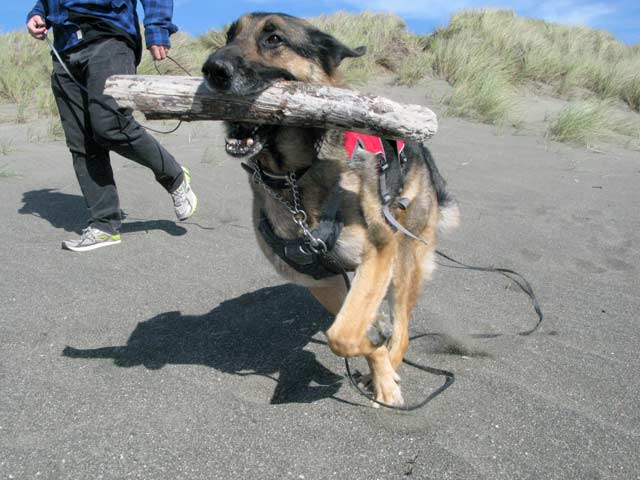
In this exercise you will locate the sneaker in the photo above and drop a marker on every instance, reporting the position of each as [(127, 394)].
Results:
[(91, 239), (184, 200)]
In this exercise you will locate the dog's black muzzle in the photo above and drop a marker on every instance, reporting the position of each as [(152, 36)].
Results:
[(227, 70)]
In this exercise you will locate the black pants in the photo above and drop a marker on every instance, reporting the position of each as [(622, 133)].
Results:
[(92, 130)]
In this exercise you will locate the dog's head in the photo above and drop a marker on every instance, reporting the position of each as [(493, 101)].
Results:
[(263, 48)]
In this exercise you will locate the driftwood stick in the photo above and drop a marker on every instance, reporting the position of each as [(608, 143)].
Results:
[(285, 103)]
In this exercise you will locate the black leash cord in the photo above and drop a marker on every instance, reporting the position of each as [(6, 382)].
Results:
[(155, 64), (449, 379), (512, 275), (109, 107)]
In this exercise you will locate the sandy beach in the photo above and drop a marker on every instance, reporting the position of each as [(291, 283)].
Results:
[(180, 354)]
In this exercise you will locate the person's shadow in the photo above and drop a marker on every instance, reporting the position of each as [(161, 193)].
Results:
[(69, 212), (259, 333)]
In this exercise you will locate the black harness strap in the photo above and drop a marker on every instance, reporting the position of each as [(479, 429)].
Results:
[(298, 254), (392, 171)]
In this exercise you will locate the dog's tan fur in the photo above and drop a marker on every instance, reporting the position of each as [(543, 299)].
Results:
[(384, 261)]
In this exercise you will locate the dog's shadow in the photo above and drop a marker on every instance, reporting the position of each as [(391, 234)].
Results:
[(69, 212), (259, 333)]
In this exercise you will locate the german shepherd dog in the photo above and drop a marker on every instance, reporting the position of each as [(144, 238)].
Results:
[(263, 48)]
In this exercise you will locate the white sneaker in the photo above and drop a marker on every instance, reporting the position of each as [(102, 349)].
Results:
[(91, 239), (185, 201)]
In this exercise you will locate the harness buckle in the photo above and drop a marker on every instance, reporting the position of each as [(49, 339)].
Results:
[(382, 161)]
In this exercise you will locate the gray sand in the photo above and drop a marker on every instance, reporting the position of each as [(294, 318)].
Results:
[(180, 354)]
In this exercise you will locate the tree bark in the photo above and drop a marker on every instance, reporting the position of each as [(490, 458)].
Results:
[(285, 103)]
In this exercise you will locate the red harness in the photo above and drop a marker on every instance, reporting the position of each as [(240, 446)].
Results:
[(368, 142), (391, 176)]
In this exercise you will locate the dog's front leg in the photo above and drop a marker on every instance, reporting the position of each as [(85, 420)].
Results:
[(348, 336)]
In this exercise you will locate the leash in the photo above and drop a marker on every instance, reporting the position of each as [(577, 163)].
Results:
[(105, 105)]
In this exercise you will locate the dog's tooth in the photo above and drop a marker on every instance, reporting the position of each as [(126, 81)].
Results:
[(250, 142)]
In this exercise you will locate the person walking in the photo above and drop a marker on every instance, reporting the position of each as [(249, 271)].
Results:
[(97, 39)]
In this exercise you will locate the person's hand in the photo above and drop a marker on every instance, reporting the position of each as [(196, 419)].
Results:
[(37, 27), (159, 52)]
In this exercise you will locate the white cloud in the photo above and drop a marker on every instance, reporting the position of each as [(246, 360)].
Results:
[(563, 11), (567, 11)]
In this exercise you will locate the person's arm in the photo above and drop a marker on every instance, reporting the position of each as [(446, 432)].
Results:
[(36, 23), (158, 26)]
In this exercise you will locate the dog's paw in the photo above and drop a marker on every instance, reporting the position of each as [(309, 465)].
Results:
[(388, 391)]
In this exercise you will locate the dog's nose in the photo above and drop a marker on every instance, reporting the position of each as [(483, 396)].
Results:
[(218, 72)]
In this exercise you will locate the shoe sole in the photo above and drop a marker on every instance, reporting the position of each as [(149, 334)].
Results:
[(90, 247)]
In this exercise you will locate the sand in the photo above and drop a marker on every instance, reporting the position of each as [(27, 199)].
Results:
[(180, 354)]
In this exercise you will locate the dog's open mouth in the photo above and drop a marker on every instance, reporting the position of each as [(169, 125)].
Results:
[(245, 139)]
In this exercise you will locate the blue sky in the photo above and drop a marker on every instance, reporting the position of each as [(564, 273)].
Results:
[(621, 17)]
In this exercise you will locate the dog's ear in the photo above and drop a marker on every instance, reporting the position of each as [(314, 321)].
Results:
[(357, 52), (331, 52), (232, 32)]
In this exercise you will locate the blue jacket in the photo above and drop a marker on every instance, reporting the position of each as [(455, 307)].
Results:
[(120, 13)]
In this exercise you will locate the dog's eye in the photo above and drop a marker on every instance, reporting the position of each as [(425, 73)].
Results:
[(274, 40)]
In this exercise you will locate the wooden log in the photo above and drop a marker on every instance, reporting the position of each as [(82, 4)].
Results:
[(285, 103)]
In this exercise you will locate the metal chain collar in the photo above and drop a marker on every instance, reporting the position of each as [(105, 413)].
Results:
[(298, 215)]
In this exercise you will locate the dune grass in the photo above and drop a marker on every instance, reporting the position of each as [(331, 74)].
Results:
[(6, 146), (25, 70), (187, 51), (590, 122), (582, 123), (498, 48), (488, 56), (390, 46), (7, 172)]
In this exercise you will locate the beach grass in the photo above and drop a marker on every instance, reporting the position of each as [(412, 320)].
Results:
[(593, 121), (6, 146), (7, 172)]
